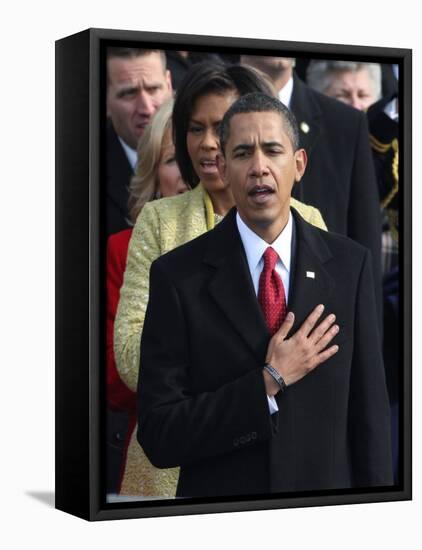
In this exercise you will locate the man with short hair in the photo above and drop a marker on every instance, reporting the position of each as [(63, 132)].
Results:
[(246, 384), (138, 82), (339, 179)]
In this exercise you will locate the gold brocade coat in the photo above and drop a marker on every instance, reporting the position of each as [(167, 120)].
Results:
[(162, 226)]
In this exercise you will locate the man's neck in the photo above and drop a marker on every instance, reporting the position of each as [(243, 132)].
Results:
[(282, 78), (271, 232)]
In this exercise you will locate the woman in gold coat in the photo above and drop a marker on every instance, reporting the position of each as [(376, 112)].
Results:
[(204, 96)]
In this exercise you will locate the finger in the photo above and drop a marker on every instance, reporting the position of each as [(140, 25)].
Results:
[(326, 354), (326, 339), (322, 328), (310, 321), (287, 324)]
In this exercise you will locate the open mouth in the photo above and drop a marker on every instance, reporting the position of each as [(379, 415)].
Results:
[(261, 193), (208, 166)]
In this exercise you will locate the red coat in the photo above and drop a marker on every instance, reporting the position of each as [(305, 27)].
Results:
[(119, 396)]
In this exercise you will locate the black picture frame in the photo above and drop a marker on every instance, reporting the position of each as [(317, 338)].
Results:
[(80, 249)]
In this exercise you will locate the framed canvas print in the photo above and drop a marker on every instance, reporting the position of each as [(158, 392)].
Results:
[(233, 274)]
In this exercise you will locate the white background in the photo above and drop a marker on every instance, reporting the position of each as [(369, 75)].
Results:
[(28, 518)]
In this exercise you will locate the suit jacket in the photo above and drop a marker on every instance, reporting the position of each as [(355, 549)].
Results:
[(339, 178), (201, 398), (118, 175)]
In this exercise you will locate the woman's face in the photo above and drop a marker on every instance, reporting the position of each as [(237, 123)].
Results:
[(169, 179), (202, 138)]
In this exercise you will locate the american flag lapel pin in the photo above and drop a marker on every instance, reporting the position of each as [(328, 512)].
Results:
[(310, 274)]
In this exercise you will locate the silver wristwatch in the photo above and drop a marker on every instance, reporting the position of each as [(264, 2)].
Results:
[(276, 375)]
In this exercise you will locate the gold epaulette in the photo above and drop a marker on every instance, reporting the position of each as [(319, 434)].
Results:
[(383, 148)]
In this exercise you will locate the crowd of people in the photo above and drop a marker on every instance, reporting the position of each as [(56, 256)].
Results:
[(241, 151)]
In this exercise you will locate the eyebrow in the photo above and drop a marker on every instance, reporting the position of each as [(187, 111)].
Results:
[(265, 145), (129, 88), (195, 121)]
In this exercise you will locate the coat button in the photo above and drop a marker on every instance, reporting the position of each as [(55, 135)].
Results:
[(253, 435)]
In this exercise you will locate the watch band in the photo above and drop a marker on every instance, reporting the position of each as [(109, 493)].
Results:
[(276, 375)]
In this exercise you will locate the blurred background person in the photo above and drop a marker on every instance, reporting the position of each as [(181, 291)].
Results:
[(339, 179), (354, 83), (383, 119), (201, 101), (156, 175), (388, 78), (138, 82)]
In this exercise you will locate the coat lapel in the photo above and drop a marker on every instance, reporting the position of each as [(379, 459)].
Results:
[(232, 289), (310, 282)]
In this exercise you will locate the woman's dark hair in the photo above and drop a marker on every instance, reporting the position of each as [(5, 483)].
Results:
[(203, 79)]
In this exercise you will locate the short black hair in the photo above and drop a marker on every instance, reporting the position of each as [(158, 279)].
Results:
[(259, 103), (132, 53), (203, 79)]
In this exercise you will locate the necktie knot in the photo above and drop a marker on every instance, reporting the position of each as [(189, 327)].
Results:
[(270, 259)]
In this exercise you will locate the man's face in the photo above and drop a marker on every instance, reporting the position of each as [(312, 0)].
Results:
[(261, 167), (353, 87), (137, 86)]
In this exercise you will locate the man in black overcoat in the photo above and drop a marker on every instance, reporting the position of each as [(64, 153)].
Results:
[(244, 406), (339, 179)]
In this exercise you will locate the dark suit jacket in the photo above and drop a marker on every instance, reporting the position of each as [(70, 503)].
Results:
[(118, 175), (202, 401), (339, 178)]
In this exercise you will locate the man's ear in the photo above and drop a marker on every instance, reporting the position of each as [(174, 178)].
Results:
[(168, 79), (221, 166), (301, 160)]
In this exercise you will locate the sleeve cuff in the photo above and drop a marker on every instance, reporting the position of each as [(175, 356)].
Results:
[(272, 404)]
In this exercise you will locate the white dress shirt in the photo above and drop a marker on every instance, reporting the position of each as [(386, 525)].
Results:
[(285, 94), (254, 248), (392, 109), (132, 155)]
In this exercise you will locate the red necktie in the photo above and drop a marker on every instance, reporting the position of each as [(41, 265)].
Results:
[(271, 295)]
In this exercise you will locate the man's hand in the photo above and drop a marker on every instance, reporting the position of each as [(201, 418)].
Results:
[(306, 349)]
